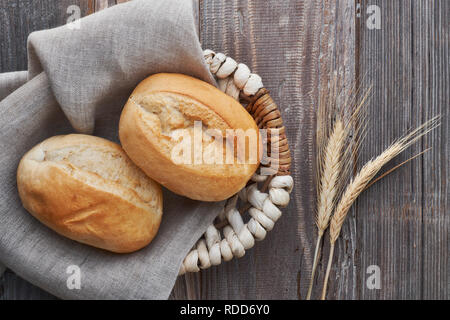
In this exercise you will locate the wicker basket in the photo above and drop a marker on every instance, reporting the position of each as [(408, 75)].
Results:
[(268, 189)]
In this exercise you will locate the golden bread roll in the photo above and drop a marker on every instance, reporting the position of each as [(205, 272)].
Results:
[(87, 189), (157, 131)]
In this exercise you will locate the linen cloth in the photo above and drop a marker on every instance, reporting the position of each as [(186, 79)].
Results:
[(78, 80)]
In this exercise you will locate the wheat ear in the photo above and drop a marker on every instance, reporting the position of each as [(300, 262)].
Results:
[(333, 162), (362, 179), (328, 187)]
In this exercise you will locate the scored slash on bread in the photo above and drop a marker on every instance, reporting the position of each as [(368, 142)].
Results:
[(161, 106)]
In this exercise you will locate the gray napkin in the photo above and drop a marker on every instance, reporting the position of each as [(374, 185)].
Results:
[(78, 80)]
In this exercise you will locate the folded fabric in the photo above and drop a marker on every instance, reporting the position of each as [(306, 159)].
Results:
[(78, 81)]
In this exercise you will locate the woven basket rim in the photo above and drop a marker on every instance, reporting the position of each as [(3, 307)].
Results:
[(238, 237)]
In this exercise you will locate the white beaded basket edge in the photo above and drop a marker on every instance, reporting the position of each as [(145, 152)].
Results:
[(237, 81)]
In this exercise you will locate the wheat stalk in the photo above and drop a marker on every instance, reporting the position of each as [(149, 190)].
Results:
[(362, 179), (333, 159), (328, 187)]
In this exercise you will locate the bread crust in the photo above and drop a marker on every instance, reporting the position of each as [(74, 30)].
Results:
[(164, 103), (88, 197)]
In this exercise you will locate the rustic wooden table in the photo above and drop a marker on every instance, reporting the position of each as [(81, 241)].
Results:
[(401, 223)]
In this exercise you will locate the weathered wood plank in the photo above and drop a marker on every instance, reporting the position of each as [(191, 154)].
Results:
[(389, 214), (266, 36), (103, 4), (431, 92), (403, 220), (19, 18)]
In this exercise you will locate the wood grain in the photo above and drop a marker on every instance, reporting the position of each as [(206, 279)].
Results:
[(19, 18), (387, 215), (432, 97), (394, 215), (401, 223)]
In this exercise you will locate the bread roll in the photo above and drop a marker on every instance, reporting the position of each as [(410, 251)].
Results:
[(162, 109), (87, 189)]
